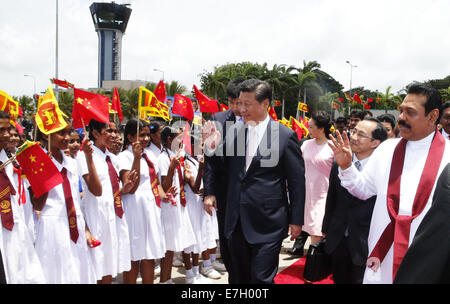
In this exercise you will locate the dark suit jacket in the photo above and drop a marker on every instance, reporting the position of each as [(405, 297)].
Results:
[(214, 176), (258, 196), (344, 210), (427, 260)]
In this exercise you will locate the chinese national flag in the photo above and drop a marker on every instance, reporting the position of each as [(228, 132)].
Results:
[(160, 91), (296, 126), (207, 105), (116, 104), (182, 105), (187, 139), (357, 98), (39, 169), (223, 107), (62, 83), (89, 106), (272, 113)]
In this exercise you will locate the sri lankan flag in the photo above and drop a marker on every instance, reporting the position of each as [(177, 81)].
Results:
[(49, 117), (38, 168), (302, 107), (9, 105), (285, 122), (149, 105)]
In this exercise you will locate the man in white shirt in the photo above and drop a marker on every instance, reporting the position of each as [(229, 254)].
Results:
[(402, 173), (445, 120)]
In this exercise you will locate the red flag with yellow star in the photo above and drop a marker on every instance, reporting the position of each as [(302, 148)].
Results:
[(182, 105), (89, 106), (223, 107), (39, 169), (116, 104), (187, 139), (160, 91), (272, 113), (207, 105)]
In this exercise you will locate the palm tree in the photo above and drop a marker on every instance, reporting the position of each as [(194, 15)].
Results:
[(306, 79), (174, 87), (386, 98)]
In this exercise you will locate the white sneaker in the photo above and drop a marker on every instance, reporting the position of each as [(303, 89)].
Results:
[(200, 279), (219, 266), (210, 272), (167, 282), (157, 270)]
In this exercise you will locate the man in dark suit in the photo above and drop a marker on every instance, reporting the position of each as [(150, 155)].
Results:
[(347, 219), (215, 173), (427, 260), (445, 120), (261, 157)]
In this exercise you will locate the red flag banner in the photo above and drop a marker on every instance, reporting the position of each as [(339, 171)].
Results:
[(62, 83), (207, 105), (187, 139), (160, 91), (357, 98), (182, 105), (89, 106), (223, 107), (340, 99), (277, 103), (116, 104), (272, 113), (39, 169)]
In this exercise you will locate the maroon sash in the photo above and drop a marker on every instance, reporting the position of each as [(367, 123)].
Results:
[(153, 179), (70, 207), (398, 230), (116, 187), (6, 189)]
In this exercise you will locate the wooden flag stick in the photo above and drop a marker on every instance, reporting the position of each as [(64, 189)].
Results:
[(84, 128), (9, 161), (138, 120)]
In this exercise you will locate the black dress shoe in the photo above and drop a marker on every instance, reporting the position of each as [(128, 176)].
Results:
[(296, 251)]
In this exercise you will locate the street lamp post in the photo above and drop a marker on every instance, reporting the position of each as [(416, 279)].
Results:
[(351, 72), (161, 72)]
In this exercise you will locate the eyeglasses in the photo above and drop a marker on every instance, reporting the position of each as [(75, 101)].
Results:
[(360, 134)]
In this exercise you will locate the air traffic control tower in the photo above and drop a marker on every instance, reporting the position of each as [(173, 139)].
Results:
[(110, 20)]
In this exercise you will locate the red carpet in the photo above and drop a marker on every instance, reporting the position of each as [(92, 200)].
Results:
[(294, 274)]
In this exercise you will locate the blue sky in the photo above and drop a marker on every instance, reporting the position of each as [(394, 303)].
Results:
[(391, 42)]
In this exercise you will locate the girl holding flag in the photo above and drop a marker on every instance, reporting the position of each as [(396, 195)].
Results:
[(102, 203), (178, 232), (142, 206), (61, 224)]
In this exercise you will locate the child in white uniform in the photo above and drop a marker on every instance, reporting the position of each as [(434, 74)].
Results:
[(60, 230), (177, 226), (102, 206)]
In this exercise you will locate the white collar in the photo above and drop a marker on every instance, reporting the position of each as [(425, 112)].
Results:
[(445, 134), (261, 126), (421, 143)]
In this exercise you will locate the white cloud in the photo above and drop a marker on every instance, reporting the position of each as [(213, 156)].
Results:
[(391, 42)]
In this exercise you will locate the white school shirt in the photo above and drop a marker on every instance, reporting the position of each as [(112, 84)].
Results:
[(373, 180), (21, 263), (113, 255)]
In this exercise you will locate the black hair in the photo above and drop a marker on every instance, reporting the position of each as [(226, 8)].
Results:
[(434, 98), (365, 112), (97, 126), (167, 132), (445, 106), (389, 118), (131, 129), (357, 113), (341, 119), (379, 132), (233, 87), (322, 120), (4, 115), (262, 89), (154, 126)]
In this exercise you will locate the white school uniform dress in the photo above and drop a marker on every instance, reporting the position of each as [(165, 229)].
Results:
[(194, 205), (178, 232), (142, 213), (113, 255), (21, 263), (374, 180), (152, 148), (63, 261)]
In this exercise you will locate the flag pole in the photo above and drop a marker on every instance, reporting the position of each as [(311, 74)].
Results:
[(137, 132), (84, 128)]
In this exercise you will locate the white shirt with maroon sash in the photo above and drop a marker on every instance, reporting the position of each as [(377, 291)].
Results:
[(373, 180)]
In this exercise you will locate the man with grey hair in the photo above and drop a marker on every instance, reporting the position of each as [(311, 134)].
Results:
[(261, 157)]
